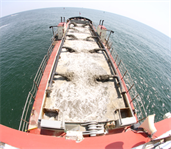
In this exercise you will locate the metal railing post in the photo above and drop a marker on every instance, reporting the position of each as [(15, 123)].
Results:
[(119, 64), (134, 98), (116, 58), (130, 87), (23, 121), (124, 75)]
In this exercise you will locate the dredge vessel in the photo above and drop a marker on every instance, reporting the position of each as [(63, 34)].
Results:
[(79, 98)]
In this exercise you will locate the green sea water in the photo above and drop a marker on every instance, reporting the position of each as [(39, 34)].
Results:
[(25, 38)]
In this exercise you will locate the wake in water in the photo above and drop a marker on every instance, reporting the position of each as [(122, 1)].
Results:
[(3, 26)]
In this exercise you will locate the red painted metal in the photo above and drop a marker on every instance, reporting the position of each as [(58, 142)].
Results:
[(42, 87), (102, 27), (119, 138), (123, 82), (127, 139), (61, 24)]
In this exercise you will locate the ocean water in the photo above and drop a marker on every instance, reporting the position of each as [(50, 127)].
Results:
[(25, 38)]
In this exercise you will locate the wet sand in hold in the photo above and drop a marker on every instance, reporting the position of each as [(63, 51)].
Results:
[(81, 98)]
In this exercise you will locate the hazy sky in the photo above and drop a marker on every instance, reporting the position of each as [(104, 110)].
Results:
[(155, 13)]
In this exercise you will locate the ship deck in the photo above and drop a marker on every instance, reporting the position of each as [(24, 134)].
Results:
[(76, 93), (81, 84), (81, 93), (127, 139)]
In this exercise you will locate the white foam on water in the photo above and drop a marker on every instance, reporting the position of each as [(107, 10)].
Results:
[(3, 26)]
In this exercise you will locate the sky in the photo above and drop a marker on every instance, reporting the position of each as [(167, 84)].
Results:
[(154, 13)]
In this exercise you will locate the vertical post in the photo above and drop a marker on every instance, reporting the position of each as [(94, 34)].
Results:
[(102, 23), (119, 64), (110, 45), (35, 84), (32, 95), (109, 36), (64, 19), (61, 19), (99, 22), (124, 74), (134, 98), (52, 30), (41, 70), (112, 51), (25, 121), (142, 119), (48, 54), (46, 59), (130, 87), (116, 58)]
